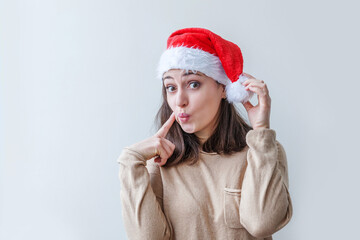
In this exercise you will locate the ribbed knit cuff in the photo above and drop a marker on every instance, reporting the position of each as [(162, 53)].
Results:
[(261, 139)]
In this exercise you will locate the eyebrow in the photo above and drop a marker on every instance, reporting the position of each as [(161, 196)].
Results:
[(185, 74)]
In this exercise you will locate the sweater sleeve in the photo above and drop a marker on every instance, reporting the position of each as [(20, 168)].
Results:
[(142, 214), (265, 205), (156, 181)]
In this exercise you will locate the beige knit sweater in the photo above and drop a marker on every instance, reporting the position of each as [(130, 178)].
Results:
[(242, 196)]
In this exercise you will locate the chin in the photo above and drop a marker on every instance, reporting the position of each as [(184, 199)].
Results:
[(188, 129)]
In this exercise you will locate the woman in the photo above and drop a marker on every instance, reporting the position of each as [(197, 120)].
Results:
[(206, 174)]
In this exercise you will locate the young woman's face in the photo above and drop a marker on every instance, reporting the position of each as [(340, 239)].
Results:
[(195, 98)]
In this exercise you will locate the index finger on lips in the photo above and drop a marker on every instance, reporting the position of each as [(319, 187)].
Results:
[(166, 127)]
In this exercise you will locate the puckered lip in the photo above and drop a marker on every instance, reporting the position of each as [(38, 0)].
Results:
[(183, 115)]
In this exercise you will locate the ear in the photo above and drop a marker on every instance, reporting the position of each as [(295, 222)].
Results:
[(223, 95)]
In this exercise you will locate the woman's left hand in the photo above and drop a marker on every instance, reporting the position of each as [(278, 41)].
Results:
[(259, 115)]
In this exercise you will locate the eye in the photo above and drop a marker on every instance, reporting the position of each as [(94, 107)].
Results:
[(194, 85), (170, 88)]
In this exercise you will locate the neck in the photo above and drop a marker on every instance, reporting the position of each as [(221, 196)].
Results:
[(202, 136), (202, 140)]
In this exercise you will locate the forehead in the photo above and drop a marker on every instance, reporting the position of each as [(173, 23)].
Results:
[(174, 73)]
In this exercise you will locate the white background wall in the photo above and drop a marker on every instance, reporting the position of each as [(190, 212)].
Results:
[(77, 84)]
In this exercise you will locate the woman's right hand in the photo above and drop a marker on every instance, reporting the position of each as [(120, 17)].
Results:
[(157, 145)]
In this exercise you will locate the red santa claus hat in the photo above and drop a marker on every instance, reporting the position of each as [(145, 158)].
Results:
[(199, 49)]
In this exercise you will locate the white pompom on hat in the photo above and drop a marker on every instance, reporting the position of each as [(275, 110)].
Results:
[(199, 49)]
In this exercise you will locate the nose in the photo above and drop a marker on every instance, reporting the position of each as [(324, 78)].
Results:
[(181, 98)]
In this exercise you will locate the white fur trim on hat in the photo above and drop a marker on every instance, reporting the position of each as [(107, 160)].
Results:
[(198, 60), (192, 59)]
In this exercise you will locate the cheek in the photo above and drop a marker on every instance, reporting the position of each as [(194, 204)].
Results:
[(209, 111), (206, 102), (208, 107), (171, 103)]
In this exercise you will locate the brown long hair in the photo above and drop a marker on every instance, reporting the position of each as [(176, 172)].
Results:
[(228, 137)]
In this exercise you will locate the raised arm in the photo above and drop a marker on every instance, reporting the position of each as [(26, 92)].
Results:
[(142, 213), (265, 205)]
